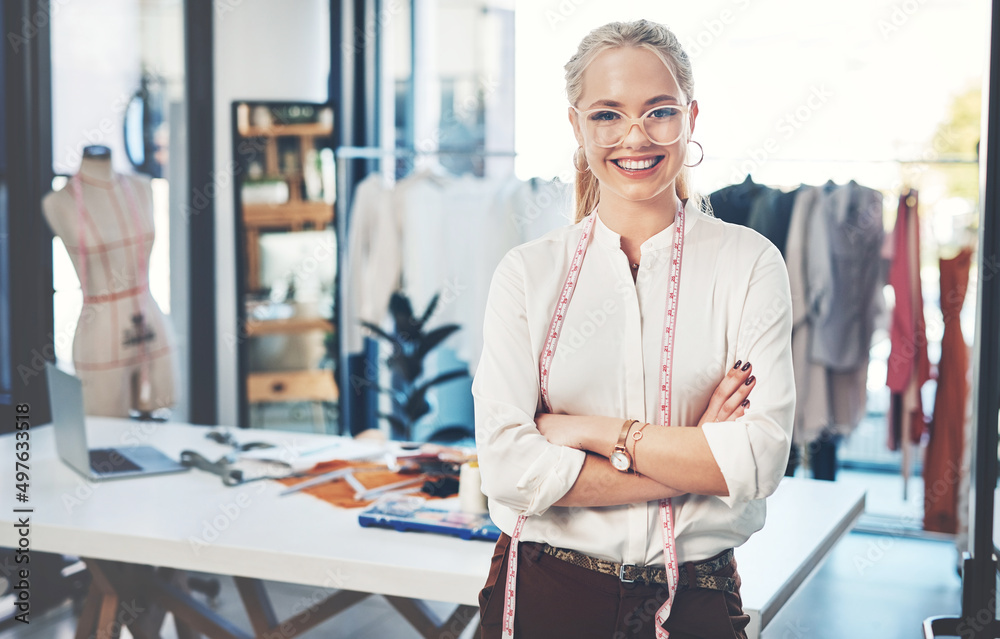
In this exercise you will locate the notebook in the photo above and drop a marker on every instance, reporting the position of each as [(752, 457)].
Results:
[(410, 512)]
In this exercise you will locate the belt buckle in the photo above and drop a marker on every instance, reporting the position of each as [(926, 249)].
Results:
[(621, 574)]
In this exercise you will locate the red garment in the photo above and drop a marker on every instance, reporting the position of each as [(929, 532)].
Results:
[(943, 460), (909, 366)]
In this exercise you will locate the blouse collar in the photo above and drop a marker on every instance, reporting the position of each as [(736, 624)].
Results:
[(661, 240)]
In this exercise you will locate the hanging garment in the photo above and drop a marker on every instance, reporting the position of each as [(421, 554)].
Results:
[(770, 213), (733, 203), (943, 459), (807, 259), (843, 333), (775, 228), (452, 242), (908, 366), (374, 259), (534, 207)]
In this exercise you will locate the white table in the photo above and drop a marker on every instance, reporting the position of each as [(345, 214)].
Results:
[(805, 519), (191, 521)]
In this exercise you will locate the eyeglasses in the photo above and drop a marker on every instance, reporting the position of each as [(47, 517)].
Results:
[(607, 127)]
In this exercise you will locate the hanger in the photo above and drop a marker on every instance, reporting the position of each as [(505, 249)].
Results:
[(427, 167)]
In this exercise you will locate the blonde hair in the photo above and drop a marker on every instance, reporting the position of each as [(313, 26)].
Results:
[(640, 33)]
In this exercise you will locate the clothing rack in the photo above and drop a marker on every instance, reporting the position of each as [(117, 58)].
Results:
[(378, 153), (347, 158)]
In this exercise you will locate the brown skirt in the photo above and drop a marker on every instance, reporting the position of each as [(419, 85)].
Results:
[(557, 599)]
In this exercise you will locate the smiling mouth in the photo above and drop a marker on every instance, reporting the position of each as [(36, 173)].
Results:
[(638, 165)]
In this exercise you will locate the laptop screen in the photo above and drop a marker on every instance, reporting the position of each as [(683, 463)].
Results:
[(66, 403)]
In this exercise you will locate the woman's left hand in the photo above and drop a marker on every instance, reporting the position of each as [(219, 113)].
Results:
[(562, 430)]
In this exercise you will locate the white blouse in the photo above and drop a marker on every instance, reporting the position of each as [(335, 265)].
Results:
[(734, 304)]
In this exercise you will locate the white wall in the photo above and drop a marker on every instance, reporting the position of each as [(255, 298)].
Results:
[(264, 50)]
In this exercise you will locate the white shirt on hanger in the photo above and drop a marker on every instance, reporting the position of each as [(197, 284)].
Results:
[(452, 241), (374, 259), (734, 304)]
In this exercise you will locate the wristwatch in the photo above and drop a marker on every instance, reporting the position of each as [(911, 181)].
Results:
[(619, 457)]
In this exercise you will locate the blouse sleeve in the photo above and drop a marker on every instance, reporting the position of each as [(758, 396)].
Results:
[(752, 451), (520, 469)]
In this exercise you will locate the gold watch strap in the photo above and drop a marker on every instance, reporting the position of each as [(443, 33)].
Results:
[(621, 436)]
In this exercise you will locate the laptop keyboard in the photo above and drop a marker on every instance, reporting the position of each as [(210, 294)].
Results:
[(109, 460)]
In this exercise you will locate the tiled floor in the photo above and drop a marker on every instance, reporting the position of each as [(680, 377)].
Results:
[(870, 586)]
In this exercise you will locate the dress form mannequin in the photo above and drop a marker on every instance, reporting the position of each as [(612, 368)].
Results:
[(123, 347)]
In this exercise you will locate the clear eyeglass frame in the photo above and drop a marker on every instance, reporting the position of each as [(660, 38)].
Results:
[(685, 108)]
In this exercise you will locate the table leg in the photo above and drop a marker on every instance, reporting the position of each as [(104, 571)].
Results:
[(264, 621), (423, 619), (257, 604), (155, 593), (106, 610), (88, 616), (179, 579), (193, 614), (753, 628)]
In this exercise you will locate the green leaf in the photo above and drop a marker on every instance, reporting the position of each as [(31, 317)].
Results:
[(375, 328), (435, 337), (428, 312), (442, 378)]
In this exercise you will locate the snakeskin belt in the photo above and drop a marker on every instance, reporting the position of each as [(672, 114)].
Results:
[(699, 574)]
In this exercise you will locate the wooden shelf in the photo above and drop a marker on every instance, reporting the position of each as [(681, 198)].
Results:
[(286, 151), (292, 386), (256, 328), (316, 129), (293, 216), (290, 216)]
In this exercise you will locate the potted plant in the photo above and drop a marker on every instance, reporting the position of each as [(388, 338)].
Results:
[(411, 342)]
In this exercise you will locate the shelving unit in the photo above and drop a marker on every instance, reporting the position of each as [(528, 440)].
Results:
[(271, 148)]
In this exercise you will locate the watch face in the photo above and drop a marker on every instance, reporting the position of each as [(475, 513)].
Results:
[(619, 460)]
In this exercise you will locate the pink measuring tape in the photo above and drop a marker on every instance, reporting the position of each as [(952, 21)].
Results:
[(666, 369)]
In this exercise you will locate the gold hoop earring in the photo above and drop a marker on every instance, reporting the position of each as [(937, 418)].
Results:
[(690, 166), (576, 160)]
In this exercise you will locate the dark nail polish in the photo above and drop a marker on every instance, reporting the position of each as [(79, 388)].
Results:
[(746, 366), (738, 362), (750, 381), (746, 403)]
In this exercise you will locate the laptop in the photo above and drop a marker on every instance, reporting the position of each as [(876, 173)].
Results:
[(66, 402)]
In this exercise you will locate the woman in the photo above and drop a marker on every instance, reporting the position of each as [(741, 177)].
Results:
[(644, 312)]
